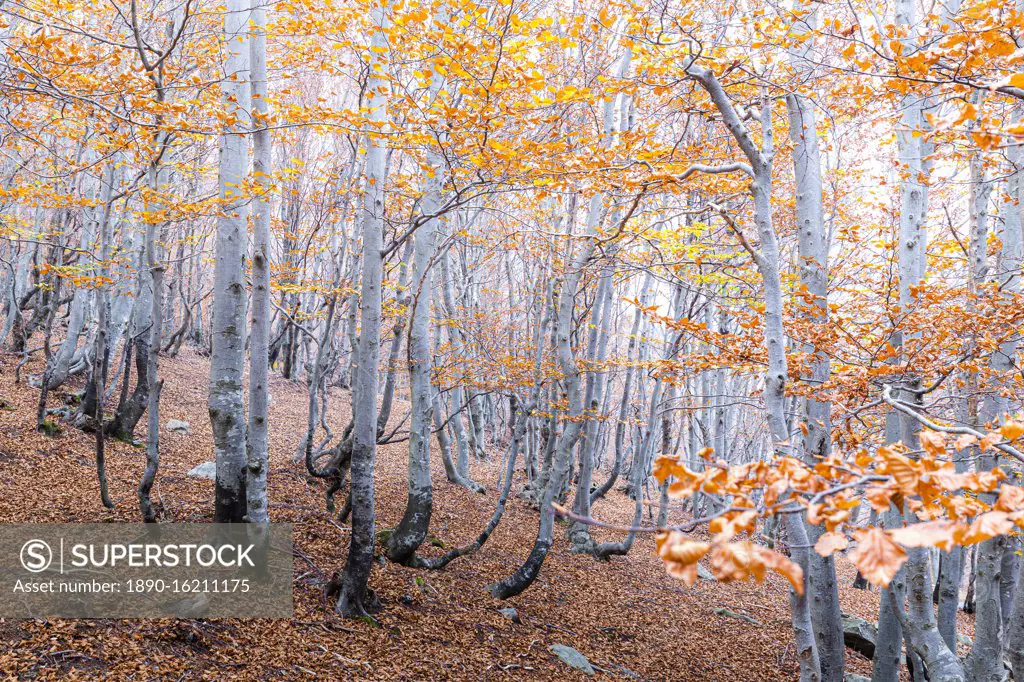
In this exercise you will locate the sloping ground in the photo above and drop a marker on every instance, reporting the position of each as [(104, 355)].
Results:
[(627, 616)]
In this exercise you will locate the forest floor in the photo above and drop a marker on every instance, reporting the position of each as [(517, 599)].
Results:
[(627, 616)]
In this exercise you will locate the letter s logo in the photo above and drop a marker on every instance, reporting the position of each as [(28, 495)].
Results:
[(36, 556)]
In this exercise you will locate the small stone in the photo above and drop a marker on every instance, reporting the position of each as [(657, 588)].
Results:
[(206, 470), (178, 426), (703, 573), (512, 615), (572, 658), (721, 611), (859, 635)]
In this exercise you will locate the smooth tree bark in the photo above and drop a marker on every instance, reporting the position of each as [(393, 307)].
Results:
[(520, 416), (812, 245), (227, 361), (257, 445), (412, 529), (137, 347), (158, 176), (1008, 275), (58, 369), (356, 599), (398, 334), (624, 401), (156, 268), (597, 351), (101, 354), (985, 662), (919, 623), (579, 533), (459, 401), (524, 576), (766, 259)]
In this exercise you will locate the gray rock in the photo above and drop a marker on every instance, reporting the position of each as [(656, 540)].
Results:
[(179, 426), (850, 677), (703, 573), (207, 470), (512, 615), (859, 635), (572, 658), (732, 614)]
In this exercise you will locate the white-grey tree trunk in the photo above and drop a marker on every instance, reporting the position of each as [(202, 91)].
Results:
[(355, 598), (227, 361), (812, 243), (768, 264), (257, 444)]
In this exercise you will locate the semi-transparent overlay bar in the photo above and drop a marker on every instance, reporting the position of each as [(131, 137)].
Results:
[(127, 570)]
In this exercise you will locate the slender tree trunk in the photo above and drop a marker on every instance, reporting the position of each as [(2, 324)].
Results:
[(412, 529), (58, 368), (768, 263), (101, 354), (257, 445), (356, 598), (920, 627), (458, 400), (524, 576), (156, 268), (627, 389), (813, 251), (398, 332), (131, 408), (227, 362)]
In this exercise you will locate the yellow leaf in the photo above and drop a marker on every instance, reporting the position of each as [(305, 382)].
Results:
[(1012, 430)]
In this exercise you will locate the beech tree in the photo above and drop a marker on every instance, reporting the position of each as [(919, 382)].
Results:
[(745, 275)]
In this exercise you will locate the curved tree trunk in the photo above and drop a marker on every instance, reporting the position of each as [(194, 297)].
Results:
[(412, 529), (356, 598), (524, 576)]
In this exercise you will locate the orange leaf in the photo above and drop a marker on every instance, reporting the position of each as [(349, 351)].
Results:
[(1011, 498), (877, 556), (933, 442), (1012, 430), (941, 534), (988, 526), (830, 543), (788, 569), (965, 441)]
